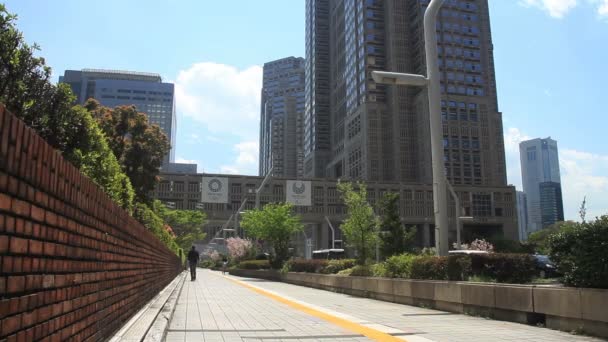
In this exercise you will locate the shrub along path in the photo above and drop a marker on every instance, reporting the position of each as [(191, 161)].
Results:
[(227, 308)]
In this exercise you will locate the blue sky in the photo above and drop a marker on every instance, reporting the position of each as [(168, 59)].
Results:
[(550, 58)]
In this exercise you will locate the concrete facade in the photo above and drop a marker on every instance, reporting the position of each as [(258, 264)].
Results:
[(281, 113), (522, 216), (492, 207), (146, 91), (540, 165)]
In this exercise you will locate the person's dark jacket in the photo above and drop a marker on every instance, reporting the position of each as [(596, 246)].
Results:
[(193, 256)]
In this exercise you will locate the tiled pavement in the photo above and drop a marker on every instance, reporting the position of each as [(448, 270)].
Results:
[(215, 308)]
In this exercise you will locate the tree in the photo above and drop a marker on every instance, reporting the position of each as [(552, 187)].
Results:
[(395, 238), (275, 223), (186, 224), (540, 239), (359, 228), (239, 248), (138, 145), (580, 253), (26, 91)]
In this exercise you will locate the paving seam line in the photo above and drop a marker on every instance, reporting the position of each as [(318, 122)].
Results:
[(171, 303), (345, 321), (118, 336)]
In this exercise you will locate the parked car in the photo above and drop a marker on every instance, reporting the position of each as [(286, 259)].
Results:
[(546, 268)]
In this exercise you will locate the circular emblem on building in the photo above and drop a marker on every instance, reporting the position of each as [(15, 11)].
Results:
[(298, 188), (215, 185)]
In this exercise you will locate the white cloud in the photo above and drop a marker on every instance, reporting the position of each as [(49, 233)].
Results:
[(555, 8), (512, 138), (186, 161), (560, 8), (225, 99), (246, 161), (584, 174), (602, 10)]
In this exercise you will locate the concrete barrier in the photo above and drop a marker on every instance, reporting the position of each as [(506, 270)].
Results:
[(569, 309)]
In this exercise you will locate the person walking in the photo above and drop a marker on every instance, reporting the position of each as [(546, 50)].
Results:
[(224, 266), (193, 260)]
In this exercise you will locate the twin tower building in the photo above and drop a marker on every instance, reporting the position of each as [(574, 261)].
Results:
[(323, 116)]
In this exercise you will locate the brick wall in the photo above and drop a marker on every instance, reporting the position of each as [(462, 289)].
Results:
[(73, 265)]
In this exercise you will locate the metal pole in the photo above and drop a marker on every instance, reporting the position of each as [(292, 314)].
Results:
[(333, 233), (458, 213), (436, 128), (257, 192)]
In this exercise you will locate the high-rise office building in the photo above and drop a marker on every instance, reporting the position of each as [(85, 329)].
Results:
[(281, 115), (541, 182), (146, 91), (355, 128), (551, 204), (522, 216)]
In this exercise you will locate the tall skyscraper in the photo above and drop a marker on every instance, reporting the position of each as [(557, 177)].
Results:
[(146, 91), (282, 109), (355, 128), (522, 216), (541, 182)]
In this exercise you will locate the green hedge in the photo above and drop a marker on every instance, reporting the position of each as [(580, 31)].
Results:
[(504, 267), (304, 265), (581, 253), (254, 265), (335, 266), (400, 266)]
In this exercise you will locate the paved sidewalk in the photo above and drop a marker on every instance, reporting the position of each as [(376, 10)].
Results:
[(217, 308)]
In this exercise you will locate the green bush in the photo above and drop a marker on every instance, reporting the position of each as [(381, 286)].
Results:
[(361, 271), (304, 265), (502, 245), (254, 265), (379, 270), (429, 267), (458, 267), (400, 266), (504, 267), (581, 253), (335, 266)]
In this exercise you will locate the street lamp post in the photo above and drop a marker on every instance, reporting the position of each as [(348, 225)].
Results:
[(431, 82), (258, 190)]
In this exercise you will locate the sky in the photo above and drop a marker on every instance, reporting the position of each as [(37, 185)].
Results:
[(550, 59)]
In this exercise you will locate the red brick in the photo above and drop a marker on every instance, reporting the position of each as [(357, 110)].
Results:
[(15, 284), (9, 224), (4, 244), (37, 214), (13, 185), (51, 218), (5, 202), (11, 324), (21, 208), (7, 264), (48, 281), (2, 286), (36, 247), (19, 245)]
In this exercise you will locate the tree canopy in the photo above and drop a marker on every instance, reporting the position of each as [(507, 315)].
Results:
[(186, 224), (359, 227), (138, 145), (395, 238), (275, 223)]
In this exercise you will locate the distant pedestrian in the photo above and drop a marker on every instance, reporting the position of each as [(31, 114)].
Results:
[(224, 266), (193, 260)]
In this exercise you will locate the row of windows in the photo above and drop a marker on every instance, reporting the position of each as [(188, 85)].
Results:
[(129, 91)]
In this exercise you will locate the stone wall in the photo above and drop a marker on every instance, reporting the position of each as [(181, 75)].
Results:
[(73, 265), (563, 308)]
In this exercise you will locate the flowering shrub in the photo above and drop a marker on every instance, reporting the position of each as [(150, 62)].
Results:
[(477, 245), (239, 248), (214, 255)]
